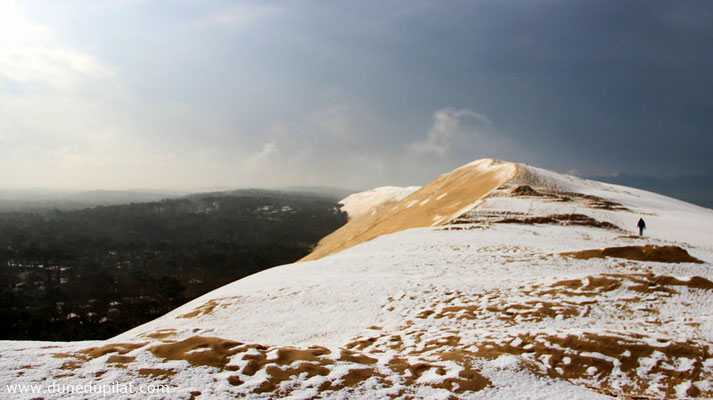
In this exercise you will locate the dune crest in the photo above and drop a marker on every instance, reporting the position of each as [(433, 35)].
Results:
[(437, 203)]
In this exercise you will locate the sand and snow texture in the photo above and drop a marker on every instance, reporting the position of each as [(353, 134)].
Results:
[(538, 289), (365, 203), (441, 200)]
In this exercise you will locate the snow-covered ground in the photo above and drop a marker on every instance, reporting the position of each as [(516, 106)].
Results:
[(487, 306)]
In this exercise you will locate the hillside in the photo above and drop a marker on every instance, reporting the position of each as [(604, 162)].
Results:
[(495, 281)]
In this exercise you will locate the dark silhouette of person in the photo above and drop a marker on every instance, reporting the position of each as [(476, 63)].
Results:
[(642, 226)]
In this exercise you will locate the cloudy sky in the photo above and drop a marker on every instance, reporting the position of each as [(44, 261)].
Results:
[(190, 94)]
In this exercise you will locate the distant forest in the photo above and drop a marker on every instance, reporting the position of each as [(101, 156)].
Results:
[(94, 273)]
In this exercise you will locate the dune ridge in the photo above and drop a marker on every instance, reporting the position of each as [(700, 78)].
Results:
[(445, 198)]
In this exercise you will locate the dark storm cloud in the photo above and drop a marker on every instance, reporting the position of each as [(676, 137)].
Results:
[(597, 86), (355, 93), (594, 85)]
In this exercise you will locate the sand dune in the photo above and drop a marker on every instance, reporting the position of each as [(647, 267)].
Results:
[(437, 203), (517, 283)]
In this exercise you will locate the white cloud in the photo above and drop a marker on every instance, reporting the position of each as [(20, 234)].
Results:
[(329, 145), (31, 55), (264, 157), (453, 127)]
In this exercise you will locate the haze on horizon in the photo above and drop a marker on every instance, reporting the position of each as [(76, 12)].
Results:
[(118, 94)]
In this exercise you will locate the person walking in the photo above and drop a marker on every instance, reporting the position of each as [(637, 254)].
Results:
[(642, 226)]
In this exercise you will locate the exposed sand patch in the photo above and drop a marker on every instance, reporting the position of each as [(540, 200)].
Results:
[(198, 351), (206, 308), (156, 372), (654, 282), (284, 367), (159, 334), (79, 358), (67, 355), (351, 356), (528, 311), (596, 360), (666, 254), (593, 201), (71, 365), (462, 228), (352, 378), (361, 344), (430, 360), (590, 283), (120, 348), (525, 190), (279, 375), (628, 365), (560, 219), (610, 282), (563, 196), (120, 359), (482, 220), (464, 186), (641, 283), (468, 379)]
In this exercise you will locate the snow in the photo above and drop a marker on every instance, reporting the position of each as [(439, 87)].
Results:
[(362, 203), (444, 297)]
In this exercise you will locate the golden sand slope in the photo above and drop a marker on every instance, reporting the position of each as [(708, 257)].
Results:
[(443, 199)]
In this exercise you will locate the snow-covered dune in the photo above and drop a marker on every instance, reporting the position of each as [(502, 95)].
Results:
[(529, 284)]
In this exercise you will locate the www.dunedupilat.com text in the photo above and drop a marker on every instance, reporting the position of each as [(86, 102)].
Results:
[(97, 389)]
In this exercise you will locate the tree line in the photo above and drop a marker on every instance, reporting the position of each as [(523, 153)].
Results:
[(96, 272)]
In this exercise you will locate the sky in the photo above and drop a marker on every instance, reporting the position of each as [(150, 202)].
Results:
[(196, 94)]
